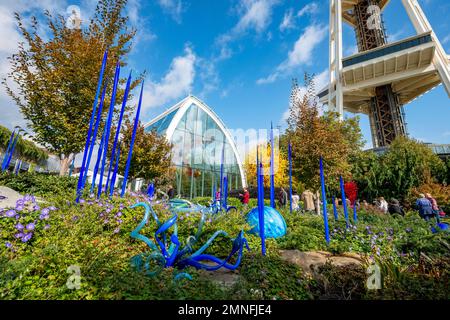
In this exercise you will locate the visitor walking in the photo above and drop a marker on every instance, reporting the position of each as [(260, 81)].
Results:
[(425, 207), (308, 200), (365, 205), (245, 198), (282, 197), (395, 207), (316, 197), (171, 192), (434, 206), (218, 197), (295, 201), (383, 206)]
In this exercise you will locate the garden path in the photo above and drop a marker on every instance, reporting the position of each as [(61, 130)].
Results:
[(10, 199)]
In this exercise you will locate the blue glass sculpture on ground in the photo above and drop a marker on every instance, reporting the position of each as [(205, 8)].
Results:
[(167, 253), (274, 223), (442, 227)]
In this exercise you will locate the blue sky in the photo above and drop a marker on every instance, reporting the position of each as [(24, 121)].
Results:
[(239, 56)]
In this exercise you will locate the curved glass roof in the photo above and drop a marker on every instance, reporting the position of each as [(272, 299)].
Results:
[(201, 146)]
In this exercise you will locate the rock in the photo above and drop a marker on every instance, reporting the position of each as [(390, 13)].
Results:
[(309, 261), (223, 276), (11, 197)]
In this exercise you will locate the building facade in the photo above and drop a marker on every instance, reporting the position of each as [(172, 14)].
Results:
[(203, 149)]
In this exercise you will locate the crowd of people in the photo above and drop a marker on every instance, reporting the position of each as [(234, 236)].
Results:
[(426, 204)]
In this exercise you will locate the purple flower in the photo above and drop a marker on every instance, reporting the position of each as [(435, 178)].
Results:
[(119, 221), (30, 226), (118, 214), (52, 208), (82, 201), (20, 202), (19, 226), (8, 244), (108, 210), (19, 235), (75, 218), (45, 211), (27, 237), (47, 226), (10, 213), (106, 221), (43, 216), (19, 207), (36, 207), (27, 198), (117, 230)]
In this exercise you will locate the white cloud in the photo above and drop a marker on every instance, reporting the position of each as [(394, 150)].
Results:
[(395, 36), (320, 81), (10, 36), (350, 50), (173, 7), (255, 15), (176, 83), (300, 54), (209, 76), (446, 39), (288, 21), (310, 8)]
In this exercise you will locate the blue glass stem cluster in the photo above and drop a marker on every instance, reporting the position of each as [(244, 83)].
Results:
[(168, 252)]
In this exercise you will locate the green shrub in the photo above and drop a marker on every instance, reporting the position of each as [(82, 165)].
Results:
[(40, 184)]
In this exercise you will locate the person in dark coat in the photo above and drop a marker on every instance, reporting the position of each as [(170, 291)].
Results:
[(171, 192), (395, 207), (425, 207)]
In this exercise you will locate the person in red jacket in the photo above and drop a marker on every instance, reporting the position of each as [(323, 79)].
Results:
[(245, 198)]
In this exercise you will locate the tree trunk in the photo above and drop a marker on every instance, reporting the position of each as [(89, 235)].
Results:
[(64, 164)]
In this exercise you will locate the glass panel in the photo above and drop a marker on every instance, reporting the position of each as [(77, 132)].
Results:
[(191, 117), (182, 123), (178, 146)]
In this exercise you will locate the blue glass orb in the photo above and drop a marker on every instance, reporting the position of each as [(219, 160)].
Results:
[(274, 224)]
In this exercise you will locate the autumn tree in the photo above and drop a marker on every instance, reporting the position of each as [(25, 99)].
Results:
[(316, 133), (406, 164), (280, 168), (57, 78), (151, 158)]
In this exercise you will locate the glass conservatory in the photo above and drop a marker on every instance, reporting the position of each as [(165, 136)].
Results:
[(201, 146)]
